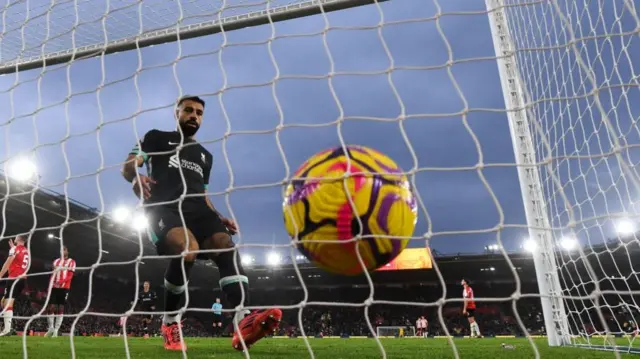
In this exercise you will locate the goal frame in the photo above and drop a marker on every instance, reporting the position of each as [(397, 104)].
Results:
[(515, 98), (538, 223), (184, 32)]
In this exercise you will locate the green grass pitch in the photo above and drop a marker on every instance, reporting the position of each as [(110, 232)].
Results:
[(274, 348)]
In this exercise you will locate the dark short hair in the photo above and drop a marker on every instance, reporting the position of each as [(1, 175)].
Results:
[(190, 98)]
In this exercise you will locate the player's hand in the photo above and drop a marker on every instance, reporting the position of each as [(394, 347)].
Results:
[(464, 311), (142, 182), (11, 244), (231, 225)]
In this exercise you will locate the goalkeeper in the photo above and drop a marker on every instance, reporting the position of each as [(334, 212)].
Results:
[(178, 165)]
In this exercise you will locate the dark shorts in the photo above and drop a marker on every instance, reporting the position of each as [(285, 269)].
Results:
[(203, 225), (59, 296), (13, 288), (147, 308), (217, 318), (471, 313)]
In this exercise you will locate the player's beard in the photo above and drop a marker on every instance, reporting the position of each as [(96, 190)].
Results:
[(189, 127)]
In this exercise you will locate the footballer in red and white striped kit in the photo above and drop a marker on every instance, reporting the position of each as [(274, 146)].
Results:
[(16, 267), (469, 308), (63, 270)]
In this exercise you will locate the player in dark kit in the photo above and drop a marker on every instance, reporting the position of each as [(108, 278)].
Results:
[(178, 170), (147, 300)]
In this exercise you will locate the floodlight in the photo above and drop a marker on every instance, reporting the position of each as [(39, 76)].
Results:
[(140, 222), (568, 243), (121, 214), (529, 245), (273, 258), (246, 259), (625, 227), (22, 169)]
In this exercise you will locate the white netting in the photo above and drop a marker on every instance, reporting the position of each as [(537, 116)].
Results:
[(415, 80), (578, 62)]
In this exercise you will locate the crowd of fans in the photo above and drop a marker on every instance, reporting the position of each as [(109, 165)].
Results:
[(110, 300)]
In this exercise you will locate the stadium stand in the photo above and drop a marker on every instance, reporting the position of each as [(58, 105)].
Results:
[(112, 287)]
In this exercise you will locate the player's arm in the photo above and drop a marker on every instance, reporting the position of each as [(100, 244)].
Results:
[(137, 157), (466, 302), (7, 263), (72, 271)]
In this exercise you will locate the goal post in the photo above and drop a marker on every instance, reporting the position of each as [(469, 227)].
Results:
[(566, 72), (555, 318)]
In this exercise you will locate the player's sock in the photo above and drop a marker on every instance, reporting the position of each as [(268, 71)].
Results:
[(59, 319), (8, 318), (476, 328), (233, 283), (50, 320), (175, 287)]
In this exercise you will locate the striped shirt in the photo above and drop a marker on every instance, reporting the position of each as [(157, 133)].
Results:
[(63, 270)]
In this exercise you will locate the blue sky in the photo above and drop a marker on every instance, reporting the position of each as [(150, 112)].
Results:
[(81, 135)]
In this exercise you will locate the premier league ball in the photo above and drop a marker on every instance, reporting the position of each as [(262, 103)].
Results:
[(339, 194)]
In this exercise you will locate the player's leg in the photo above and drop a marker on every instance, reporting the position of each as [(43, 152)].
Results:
[(61, 301), (235, 284), (7, 307), (172, 238), (475, 329), (51, 311), (233, 281), (145, 326), (175, 280), (12, 291)]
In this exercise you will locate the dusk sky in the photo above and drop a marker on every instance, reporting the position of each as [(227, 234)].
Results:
[(80, 135)]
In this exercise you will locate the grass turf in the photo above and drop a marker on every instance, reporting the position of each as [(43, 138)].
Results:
[(103, 348)]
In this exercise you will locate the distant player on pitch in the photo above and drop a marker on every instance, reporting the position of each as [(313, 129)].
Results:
[(421, 325), (217, 317), (147, 300), (63, 271), (16, 267), (469, 308), (175, 187)]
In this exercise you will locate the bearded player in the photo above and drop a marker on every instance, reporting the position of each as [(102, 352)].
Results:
[(469, 308), (169, 156), (15, 266), (63, 271)]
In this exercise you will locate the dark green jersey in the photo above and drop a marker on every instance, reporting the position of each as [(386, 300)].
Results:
[(164, 164)]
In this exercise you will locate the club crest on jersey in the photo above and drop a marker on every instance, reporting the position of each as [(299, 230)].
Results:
[(175, 162)]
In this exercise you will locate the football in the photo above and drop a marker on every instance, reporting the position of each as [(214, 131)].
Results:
[(339, 194)]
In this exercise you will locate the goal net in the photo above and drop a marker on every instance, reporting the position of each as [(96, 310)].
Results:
[(395, 332), (574, 62), (515, 120)]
